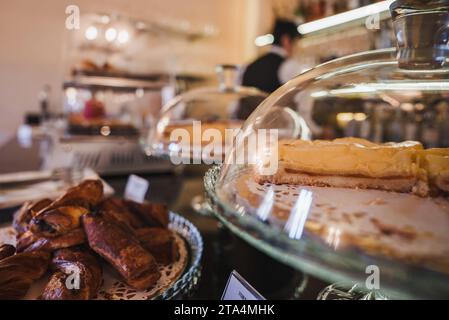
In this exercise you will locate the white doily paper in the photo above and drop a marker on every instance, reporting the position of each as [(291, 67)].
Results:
[(398, 225), (113, 288)]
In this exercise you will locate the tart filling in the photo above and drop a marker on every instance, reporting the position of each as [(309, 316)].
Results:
[(436, 163), (358, 163)]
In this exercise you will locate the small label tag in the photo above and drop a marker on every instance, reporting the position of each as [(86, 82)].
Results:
[(136, 188), (238, 288)]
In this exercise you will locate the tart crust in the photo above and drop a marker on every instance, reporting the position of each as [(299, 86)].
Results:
[(414, 184)]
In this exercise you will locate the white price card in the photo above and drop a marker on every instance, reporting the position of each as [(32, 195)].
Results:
[(136, 188), (238, 288)]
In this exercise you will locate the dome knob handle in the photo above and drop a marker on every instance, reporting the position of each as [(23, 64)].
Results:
[(228, 76), (422, 33)]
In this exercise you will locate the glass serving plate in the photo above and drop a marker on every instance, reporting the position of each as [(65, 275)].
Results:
[(384, 236), (315, 257)]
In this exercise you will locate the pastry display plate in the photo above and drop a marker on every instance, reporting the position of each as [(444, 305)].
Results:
[(177, 279), (342, 235)]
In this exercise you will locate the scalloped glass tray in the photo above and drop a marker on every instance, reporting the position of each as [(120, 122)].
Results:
[(189, 240), (310, 254)]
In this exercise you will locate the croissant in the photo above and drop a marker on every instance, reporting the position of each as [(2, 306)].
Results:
[(58, 221), (154, 214), (6, 250), (122, 250), (160, 243), (64, 214), (87, 194), (31, 242), (24, 215), (70, 264), (19, 271), (115, 210)]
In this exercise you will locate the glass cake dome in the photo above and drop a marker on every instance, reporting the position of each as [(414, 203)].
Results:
[(366, 198), (221, 107)]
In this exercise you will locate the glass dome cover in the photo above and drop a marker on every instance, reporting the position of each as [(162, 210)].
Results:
[(358, 199), (221, 107)]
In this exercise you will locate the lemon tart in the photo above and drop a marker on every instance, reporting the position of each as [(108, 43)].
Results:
[(351, 163)]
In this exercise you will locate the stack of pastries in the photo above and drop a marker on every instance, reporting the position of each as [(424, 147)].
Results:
[(75, 233)]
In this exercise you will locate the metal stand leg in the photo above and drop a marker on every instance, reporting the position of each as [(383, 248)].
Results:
[(350, 291), (201, 206)]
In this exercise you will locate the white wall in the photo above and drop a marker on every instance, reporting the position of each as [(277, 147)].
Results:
[(32, 37)]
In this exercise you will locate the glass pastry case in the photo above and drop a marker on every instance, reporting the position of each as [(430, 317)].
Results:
[(104, 117), (111, 106), (349, 191)]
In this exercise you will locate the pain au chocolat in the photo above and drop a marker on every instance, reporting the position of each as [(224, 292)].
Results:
[(357, 163)]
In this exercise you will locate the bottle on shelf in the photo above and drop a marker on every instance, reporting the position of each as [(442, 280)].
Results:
[(443, 124), (410, 126), (394, 130), (429, 130), (365, 126), (340, 6), (44, 97), (353, 4), (377, 125)]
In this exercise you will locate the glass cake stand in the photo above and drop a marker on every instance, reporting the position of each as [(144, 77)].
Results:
[(221, 107), (396, 242), (224, 106), (316, 258)]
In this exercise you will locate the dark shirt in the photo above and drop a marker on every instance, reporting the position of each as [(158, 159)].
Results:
[(263, 73)]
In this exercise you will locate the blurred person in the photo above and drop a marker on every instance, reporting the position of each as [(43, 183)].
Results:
[(276, 67)]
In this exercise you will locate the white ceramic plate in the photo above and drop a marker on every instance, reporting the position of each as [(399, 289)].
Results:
[(15, 196)]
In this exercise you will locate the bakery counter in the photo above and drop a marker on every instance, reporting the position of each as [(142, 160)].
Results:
[(223, 252)]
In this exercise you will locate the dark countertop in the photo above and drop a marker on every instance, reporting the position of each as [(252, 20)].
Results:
[(223, 252)]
